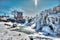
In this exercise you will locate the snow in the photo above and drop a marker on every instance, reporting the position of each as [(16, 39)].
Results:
[(6, 34)]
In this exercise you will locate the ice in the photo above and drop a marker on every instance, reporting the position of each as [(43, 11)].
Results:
[(47, 23)]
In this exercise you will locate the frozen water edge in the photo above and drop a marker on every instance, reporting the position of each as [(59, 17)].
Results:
[(36, 36)]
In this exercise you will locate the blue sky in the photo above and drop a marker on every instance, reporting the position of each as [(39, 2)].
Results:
[(27, 6)]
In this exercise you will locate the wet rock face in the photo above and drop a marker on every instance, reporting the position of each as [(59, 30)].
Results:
[(50, 26), (31, 38)]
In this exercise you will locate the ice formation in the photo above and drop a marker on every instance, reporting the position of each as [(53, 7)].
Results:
[(48, 22)]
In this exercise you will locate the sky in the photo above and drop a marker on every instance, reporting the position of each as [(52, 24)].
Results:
[(28, 7)]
